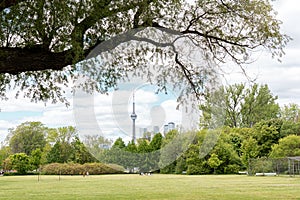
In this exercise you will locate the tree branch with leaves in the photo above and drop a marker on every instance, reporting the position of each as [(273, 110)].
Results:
[(42, 40)]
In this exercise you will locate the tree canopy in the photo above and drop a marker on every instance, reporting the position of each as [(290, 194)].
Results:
[(27, 137), (42, 40), (239, 106)]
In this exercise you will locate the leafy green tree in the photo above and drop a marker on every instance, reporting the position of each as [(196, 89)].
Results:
[(236, 136), (287, 146), (6, 164), (119, 143), (213, 110), (124, 155), (80, 153), (266, 134), (35, 158), (45, 152), (97, 145), (131, 156), (250, 149), (290, 112), (20, 162), (207, 143), (144, 155), (196, 164), (116, 154), (5, 151), (27, 137), (155, 146), (66, 134), (259, 104), (198, 153), (173, 146), (40, 41), (181, 165), (234, 96), (61, 152), (214, 161), (156, 142), (68, 147), (238, 106), (229, 160), (290, 128), (143, 146)]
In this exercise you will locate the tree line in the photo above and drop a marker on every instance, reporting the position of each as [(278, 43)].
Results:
[(238, 123), (245, 123), (31, 145)]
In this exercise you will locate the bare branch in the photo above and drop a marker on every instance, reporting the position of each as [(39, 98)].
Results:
[(215, 37), (187, 75)]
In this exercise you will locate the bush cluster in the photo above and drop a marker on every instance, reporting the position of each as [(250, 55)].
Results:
[(80, 169)]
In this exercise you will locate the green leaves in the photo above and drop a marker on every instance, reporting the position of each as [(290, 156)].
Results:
[(20, 162), (27, 137), (287, 146), (62, 33), (238, 106)]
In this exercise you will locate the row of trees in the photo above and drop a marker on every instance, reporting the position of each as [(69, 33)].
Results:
[(32, 144), (253, 126), (222, 150), (240, 106), (239, 123)]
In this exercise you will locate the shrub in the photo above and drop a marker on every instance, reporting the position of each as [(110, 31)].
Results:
[(77, 169), (232, 169)]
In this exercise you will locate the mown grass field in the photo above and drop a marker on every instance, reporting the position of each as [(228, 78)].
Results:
[(149, 187)]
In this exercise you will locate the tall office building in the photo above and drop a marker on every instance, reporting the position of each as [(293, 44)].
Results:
[(171, 126), (168, 127)]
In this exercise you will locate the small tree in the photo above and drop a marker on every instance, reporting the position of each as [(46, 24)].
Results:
[(6, 164), (35, 158), (5, 151), (61, 152), (20, 162), (80, 153), (250, 149), (214, 162)]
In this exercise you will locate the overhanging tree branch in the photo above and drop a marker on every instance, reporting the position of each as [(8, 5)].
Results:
[(56, 34)]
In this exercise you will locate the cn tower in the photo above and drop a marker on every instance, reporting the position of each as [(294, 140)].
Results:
[(133, 117)]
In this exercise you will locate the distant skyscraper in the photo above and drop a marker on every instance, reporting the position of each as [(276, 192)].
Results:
[(171, 126), (168, 127), (143, 130), (133, 117), (155, 129)]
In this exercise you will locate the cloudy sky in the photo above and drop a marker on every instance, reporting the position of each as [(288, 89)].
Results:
[(108, 111), (282, 78)]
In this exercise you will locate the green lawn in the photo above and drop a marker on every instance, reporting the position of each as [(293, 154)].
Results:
[(149, 187)]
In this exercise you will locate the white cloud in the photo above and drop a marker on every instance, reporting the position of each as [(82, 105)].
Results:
[(110, 114), (283, 78)]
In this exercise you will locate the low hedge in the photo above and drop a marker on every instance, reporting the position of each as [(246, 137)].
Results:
[(78, 169)]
